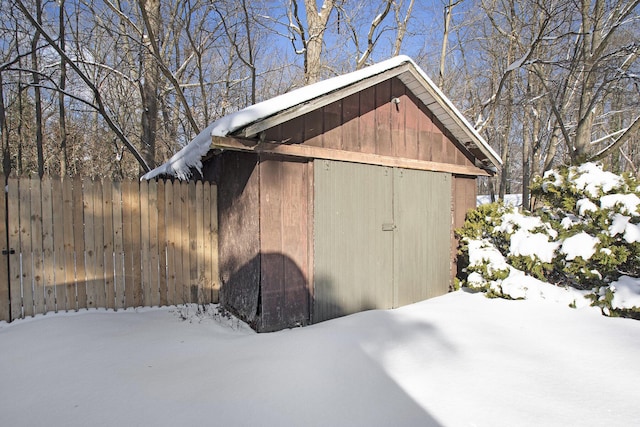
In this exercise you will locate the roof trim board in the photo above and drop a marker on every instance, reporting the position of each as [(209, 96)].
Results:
[(313, 152)]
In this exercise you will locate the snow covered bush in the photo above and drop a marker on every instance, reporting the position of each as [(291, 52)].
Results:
[(585, 235)]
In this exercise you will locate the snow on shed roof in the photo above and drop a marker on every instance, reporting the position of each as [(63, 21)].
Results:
[(288, 106)]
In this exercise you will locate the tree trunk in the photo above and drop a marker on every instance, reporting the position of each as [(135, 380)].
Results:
[(36, 87), (64, 158), (317, 24), (151, 80)]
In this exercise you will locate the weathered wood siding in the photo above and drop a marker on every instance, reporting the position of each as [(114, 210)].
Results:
[(284, 242), (371, 122), (239, 232)]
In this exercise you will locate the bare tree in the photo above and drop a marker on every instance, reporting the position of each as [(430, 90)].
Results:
[(311, 34)]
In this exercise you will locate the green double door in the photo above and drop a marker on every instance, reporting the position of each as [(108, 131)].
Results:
[(382, 237)]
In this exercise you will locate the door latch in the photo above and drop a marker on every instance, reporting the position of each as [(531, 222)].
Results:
[(8, 252)]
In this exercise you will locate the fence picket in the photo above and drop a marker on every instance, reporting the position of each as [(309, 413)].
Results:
[(178, 226), (15, 275), (136, 244), (48, 279), (98, 240), (118, 246), (145, 256), (25, 248), (152, 218), (78, 243), (69, 248), (194, 287), (127, 210), (203, 286), (212, 207), (107, 232), (170, 230), (37, 273), (184, 245), (89, 242), (162, 243), (58, 216), (5, 307)]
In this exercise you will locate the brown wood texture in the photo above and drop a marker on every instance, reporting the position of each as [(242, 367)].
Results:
[(239, 233), (25, 247), (101, 244), (5, 306), (13, 220), (78, 243), (118, 246), (108, 233), (58, 215), (313, 152), (48, 267), (370, 121), (283, 244), (69, 248)]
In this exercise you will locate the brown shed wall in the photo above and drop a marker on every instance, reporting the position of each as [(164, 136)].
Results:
[(284, 242)]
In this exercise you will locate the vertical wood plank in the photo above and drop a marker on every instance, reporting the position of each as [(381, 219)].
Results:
[(398, 111), (332, 119), (383, 118), (69, 248), (59, 279), (178, 228), (313, 128), (5, 307), (48, 262), (193, 245), (213, 233), (350, 123), (25, 247), (412, 114), (15, 236), (136, 240), (162, 243), (184, 245), (127, 212), (207, 240), (78, 242), (424, 133), (118, 246), (36, 246), (89, 242), (170, 227), (145, 256), (98, 233), (107, 215), (367, 132), (152, 201), (204, 288), (272, 258)]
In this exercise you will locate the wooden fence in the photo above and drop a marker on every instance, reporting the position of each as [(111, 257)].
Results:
[(73, 244)]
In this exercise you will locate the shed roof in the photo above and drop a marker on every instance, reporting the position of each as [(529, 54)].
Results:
[(249, 122)]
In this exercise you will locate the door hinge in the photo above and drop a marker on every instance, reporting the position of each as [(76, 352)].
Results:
[(8, 252)]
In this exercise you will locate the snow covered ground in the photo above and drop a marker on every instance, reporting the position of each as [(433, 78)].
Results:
[(457, 360)]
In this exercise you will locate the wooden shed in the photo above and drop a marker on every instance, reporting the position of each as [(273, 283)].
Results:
[(342, 196)]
